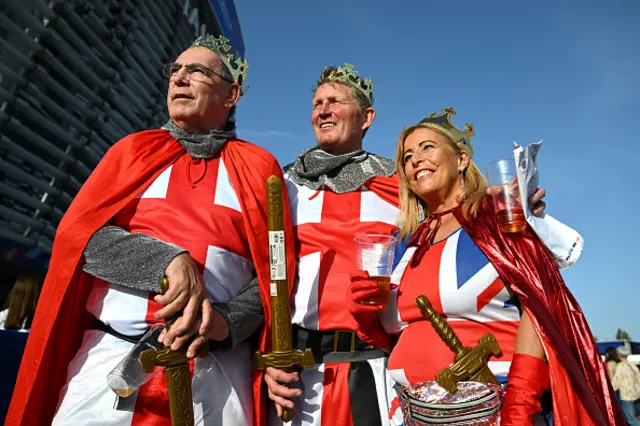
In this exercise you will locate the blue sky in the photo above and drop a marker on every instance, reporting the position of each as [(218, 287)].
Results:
[(568, 74)]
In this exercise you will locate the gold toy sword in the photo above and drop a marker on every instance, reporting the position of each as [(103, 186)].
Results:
[(282, 356), (469, 364), (176, 371)]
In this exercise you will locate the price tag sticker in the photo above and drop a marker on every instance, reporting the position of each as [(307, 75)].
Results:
[(277, 259)]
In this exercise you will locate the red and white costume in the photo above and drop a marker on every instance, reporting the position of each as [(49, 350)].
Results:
[(207, 221), (325, 224)]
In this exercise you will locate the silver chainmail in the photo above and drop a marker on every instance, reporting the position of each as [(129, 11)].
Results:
[(202, 145), (341, 173)]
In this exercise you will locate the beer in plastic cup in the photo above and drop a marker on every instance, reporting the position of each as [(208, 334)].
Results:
[(510, 215), (374, 254), (128, 375)]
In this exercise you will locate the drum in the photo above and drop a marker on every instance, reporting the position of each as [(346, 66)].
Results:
[(475, 404)]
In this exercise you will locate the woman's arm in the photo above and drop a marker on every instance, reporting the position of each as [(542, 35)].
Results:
[(528, 377), (527, 340)]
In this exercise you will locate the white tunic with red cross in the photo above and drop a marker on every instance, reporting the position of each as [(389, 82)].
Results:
[(462, 286), (205, 219), (325, 224)]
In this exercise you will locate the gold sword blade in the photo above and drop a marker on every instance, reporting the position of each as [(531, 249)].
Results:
[(180, 397), (279, 288)]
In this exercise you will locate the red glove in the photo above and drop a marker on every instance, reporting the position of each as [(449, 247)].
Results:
[(369, 329), (527, 382)]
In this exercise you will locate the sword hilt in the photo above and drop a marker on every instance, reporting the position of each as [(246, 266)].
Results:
[(203, 350), (285, 361)]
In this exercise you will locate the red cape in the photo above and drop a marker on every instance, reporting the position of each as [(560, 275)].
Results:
[(582, 394), (126, 170)]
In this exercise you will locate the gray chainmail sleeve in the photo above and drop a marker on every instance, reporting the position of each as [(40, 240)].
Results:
[(244, 313), (139, 261), (135, 261)]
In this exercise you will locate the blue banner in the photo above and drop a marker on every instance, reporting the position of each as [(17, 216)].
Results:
[(227, 17)]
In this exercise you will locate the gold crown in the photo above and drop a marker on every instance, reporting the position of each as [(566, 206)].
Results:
[(443, 123), (219, 45), (347, 75)]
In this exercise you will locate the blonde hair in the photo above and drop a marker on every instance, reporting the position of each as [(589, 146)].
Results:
[(473, 192)]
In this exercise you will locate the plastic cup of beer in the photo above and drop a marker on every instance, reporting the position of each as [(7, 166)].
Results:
[(374, 254), (510, 215), (128, 375)]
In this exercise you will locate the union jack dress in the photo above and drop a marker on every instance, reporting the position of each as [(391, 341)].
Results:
[(463, 286)]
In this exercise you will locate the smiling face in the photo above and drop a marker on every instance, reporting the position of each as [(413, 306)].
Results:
[(338, 122), (197, 101), (432, 166)]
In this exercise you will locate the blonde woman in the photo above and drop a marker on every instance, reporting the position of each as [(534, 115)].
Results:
[(482, 281)]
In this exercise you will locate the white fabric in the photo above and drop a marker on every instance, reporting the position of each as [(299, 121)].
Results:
[(305, 203), (226, 273), (375, 209), (159, 187), (221, 387), (225, 194), (3, 318), (309, 409), (305, 306), (565, 243)]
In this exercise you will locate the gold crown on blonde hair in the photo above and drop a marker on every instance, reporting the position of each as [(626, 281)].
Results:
[(219, 45), (443, 124), (347, 75)]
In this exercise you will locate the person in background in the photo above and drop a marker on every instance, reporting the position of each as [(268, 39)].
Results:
[(21, 304), (626, 379), (611, 360)]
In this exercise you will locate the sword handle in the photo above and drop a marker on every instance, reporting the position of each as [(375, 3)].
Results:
[(164, 287), (441, 326)]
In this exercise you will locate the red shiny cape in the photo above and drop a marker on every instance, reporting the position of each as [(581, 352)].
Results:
[(582, 394), (126, 170)]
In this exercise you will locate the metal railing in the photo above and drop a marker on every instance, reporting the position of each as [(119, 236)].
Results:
[(75, 77)]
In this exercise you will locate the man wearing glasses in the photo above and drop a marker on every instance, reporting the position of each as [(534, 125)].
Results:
[(186, 202)]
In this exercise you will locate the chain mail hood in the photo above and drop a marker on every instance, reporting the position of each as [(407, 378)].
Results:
[(202, 145), (341, 173)]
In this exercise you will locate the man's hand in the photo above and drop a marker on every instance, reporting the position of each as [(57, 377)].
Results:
[(217, 329), (278, 393), (186, 293), (536, 204)]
